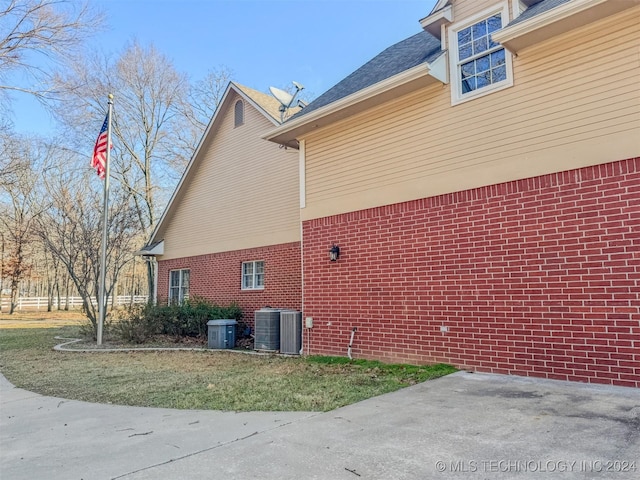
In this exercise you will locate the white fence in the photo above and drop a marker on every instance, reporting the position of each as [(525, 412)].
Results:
[(40, 303)]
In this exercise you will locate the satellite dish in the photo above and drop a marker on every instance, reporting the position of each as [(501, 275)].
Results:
[(286, 99), (283, 97)]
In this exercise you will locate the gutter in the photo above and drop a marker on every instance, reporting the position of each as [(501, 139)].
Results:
[(347, 106), (555, 17)]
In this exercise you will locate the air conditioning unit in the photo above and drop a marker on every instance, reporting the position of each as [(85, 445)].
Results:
[(267, 329), (290, 332)]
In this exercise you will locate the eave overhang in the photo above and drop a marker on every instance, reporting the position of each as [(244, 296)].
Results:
[(408, 81), (152, 249), (566, 17), (433, 23), (206, 136)]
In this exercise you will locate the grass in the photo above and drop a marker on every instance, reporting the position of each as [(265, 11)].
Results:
[(198, 380), (41, 319)]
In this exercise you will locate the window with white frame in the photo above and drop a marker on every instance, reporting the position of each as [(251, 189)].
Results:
[(478, 64), (178, 286), (253, 275)]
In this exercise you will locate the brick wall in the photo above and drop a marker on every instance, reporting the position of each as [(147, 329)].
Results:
[(217, 277), (534, 277)]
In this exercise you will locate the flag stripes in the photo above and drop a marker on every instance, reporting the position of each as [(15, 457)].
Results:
[(99, 159)]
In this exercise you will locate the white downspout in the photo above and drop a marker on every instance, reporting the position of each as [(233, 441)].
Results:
[(303, 203)]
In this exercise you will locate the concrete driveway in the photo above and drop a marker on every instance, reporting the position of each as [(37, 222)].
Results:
[(472, 426)]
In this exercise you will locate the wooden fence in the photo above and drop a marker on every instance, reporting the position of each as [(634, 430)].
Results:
[(40, 303)]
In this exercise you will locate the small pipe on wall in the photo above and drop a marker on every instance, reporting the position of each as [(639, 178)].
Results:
[(353, 333)]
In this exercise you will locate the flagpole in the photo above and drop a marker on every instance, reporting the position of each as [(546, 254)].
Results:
[(102, 303)]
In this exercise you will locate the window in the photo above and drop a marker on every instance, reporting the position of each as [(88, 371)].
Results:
[(479, 65), (253, 275), (178, 286), (239, 113)]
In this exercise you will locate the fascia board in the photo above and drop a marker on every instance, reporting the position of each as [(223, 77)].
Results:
[(255, 105), (523, 34), (440, 5), (433, 23), (341, 108), (158, 249), (210, 128), (195, 155)]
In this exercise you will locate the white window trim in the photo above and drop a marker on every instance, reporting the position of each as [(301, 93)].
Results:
[(180, 286), (242, 287), (457, 96)]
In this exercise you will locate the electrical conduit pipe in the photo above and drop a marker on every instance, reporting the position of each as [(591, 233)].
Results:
[(353, 332)]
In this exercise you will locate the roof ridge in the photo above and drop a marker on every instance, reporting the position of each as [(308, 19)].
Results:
[(270, 105)]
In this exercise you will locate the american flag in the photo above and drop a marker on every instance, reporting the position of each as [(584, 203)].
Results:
[(99, 160)]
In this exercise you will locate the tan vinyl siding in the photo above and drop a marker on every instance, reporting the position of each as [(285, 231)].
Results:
[(242, 193), (463, 9), (575, 102)]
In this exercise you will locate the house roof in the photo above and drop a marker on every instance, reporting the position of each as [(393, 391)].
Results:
[(269, 104), (537, 9), (262, 102), (419, 48), (548, 18), (398, 68)]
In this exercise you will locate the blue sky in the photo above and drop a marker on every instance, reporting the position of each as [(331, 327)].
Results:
[(264, 43)]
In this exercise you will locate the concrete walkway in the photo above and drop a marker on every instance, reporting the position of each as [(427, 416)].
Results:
[(471, 426)]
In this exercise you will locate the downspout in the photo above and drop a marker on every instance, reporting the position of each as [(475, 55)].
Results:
[(303, 203), (302, 343), (155, 280)]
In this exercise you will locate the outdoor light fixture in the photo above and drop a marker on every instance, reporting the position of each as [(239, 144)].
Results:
[(334, 253)]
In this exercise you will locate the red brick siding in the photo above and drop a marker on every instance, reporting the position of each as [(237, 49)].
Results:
[(217, 277), (534, 277)]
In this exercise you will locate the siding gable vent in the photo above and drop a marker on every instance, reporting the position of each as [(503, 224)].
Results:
[(239, 113)]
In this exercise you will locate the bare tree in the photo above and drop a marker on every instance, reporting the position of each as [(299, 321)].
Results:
[(11, 160), (149, 94), (205, 95), (155, 127), (18, 212), (71, 229), (36, 32)]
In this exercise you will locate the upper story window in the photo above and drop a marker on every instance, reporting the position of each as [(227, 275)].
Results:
[(178, 286), (478, 64), (253, 275), (239, 113)]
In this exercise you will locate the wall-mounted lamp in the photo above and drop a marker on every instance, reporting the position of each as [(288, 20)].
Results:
[(334, 253)]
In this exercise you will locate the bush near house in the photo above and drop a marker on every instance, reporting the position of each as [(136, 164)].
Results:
[(140, 323)]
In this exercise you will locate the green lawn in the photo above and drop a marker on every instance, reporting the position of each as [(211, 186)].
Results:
[(197, 380)]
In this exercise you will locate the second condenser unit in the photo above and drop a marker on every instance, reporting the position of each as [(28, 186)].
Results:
[(278, 330), (290, 332)]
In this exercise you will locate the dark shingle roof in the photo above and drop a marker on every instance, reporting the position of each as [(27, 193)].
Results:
[(420, 48), (537, 9)]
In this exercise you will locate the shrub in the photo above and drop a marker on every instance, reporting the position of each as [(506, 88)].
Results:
[(188, 319), (136, 323)]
